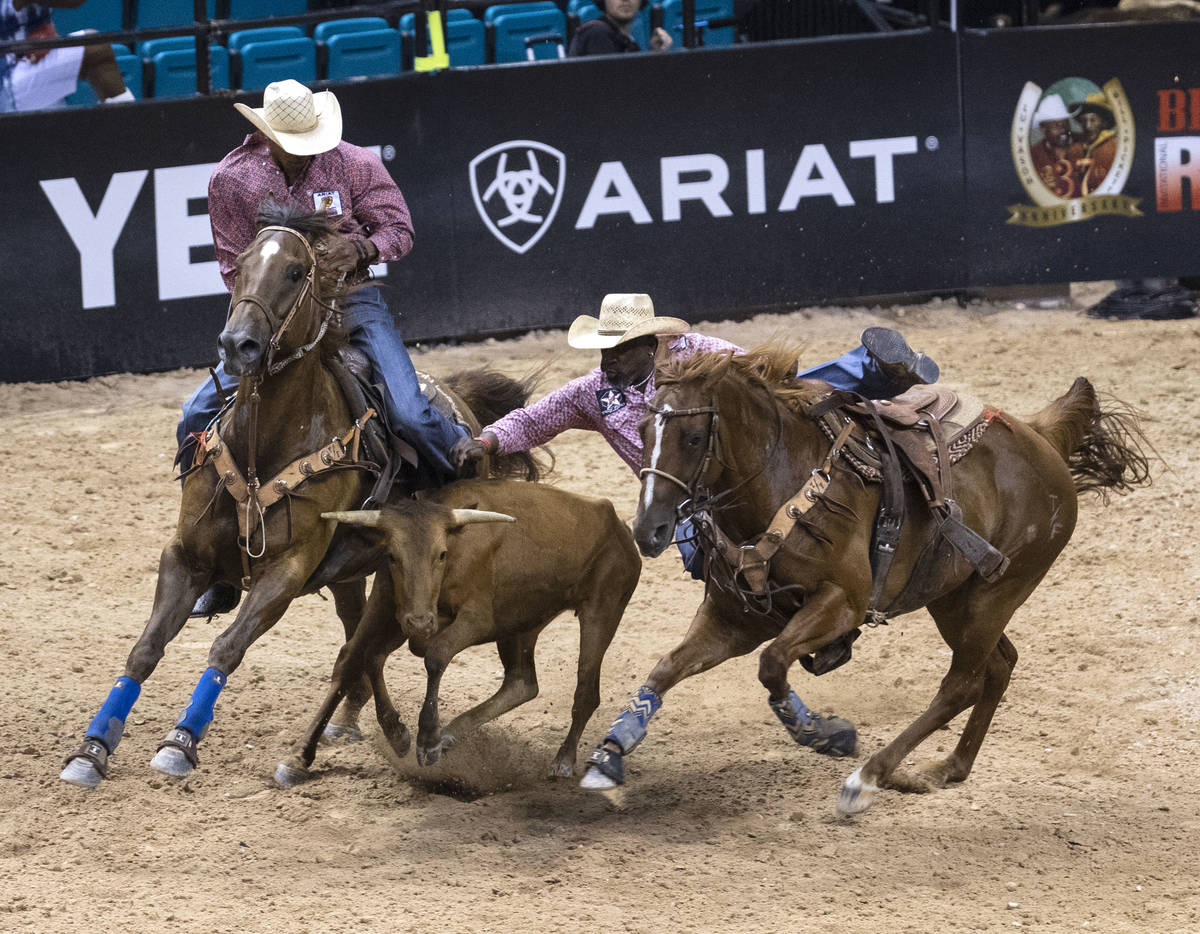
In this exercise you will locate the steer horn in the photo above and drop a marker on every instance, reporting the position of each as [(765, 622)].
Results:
[(369, 517), (469, 516)]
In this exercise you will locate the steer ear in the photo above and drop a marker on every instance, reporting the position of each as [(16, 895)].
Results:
[(461, 517), (369, 517)]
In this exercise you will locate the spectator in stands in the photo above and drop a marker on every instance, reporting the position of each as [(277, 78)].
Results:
[(612, 33), (297, 156), (43, 78), (1098, 138)]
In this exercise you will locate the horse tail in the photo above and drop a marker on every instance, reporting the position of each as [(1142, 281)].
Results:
[(490, 395), (1104, 446)]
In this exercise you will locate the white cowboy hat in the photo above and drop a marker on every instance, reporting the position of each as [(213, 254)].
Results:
[(1051, 108), (623, 317), (299, 121)]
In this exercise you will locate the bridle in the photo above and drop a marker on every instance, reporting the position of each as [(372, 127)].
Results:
[(692, 487), (308, 290)]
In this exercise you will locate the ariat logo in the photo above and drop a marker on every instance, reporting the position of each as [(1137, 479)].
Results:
[(517, 187), (1072, 147)]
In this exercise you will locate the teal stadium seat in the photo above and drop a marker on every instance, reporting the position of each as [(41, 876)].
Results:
[(705, 10), (264, 9), (511, 30), (277, 60), (334, 27), (131, 74), (466, 40), (490, 14), (159, 13), (148, 48), (262, 34), (369, 54), (173, 71), (100, 15)]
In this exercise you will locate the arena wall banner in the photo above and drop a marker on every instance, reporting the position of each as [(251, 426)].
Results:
[(1122, 201), (717, 180)]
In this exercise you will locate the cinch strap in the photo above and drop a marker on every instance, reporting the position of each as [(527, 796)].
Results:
[(199, 713), (629, 728), (109, 724)]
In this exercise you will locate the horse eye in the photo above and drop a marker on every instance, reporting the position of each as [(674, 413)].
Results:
[(442, 556), (294, 272), (693, 441)]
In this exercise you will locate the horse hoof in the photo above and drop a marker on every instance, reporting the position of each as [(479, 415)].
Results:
[(288, 776), (856, 795), (170, 760), (81, 772), (561, 769), (335, 734), (428, 756), (595, 780)]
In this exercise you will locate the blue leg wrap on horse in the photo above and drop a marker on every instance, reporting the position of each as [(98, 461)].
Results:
[(629, 728), (792, 713), (199, 713), (109, 724)]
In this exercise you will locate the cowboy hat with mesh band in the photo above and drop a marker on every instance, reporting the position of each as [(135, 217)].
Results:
[(623, 317), (297, 120)]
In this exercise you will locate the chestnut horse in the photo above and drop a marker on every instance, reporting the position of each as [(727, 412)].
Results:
[(731, 439), (289, 411)]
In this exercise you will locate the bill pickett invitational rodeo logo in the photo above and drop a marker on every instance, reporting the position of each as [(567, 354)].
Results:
[(1072, 146), (517, 204)]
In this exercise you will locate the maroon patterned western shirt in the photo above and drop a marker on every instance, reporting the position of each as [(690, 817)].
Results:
[(347, 181)]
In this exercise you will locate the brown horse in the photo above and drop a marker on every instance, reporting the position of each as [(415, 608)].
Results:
[(733, 438), (291, 436)]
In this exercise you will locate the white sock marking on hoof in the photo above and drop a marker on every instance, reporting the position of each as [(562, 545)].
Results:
[(856, 795), (595, 780)]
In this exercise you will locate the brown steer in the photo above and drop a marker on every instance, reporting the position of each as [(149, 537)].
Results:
[(452, 586)]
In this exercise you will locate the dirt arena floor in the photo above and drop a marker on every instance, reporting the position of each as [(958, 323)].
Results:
[(1078, 816)]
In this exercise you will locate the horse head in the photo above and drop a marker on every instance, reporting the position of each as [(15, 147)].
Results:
[(276, 308)]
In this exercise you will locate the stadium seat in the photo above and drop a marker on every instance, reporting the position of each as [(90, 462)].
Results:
[(173, 72), (369, 54), (705, 10), (501, 9), (262, 34), (511, 30), (264, 9), (131, 73), (466, 40), (148, 48), (276, 60), (158, 13), (100, 15), (334, 27)]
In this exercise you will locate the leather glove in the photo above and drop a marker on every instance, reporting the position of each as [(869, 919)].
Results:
[(468, 451)]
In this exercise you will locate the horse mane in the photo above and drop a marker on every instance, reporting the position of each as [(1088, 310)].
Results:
[(273, 214), (771, 366)]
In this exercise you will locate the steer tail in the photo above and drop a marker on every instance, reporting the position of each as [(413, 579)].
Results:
[(1104, 446), (490, 395)]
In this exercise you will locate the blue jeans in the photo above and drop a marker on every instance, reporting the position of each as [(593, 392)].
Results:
[(858, 372), (409, 414), (8, 103)]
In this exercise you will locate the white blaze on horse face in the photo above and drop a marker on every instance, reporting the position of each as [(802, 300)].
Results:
[(269, 249), (660, 421)]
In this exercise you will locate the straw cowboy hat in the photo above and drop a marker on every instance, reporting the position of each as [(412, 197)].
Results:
[(623, 317), (1051, 108), (299, 121)]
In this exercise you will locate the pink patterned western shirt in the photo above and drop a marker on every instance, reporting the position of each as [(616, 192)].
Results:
[(591, 403), (348, 182)]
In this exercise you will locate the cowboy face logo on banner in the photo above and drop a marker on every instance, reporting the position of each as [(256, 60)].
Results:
[(1072, 147), (517, 187)]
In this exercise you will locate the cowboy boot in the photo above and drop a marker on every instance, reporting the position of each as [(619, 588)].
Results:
[(891, 352)]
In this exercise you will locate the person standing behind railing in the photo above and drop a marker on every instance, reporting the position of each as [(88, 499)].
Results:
[(612, 33), (43, 78)]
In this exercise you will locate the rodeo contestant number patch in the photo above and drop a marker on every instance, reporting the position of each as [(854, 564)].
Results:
[(610, 400), (329, 202)]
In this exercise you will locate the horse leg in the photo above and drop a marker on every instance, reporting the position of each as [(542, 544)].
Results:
[(518, 687), (350, 600), (827, 614), (179, 585), (972, 623), (710, 640), (266, 602)]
